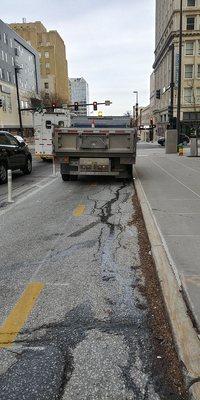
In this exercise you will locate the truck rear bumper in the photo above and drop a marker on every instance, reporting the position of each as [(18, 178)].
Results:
[(94, 173)]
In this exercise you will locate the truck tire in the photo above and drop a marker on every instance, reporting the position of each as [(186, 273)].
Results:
[(65, 177), (3, 173)]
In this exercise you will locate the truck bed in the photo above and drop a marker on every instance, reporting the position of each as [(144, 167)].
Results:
[(94, 151)]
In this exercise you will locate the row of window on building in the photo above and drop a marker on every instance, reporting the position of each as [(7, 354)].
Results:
[(5, 57), (192, 48), (191, 3), (7, 76), (192, 71), (46, 54), (4, 38), (191, 95)]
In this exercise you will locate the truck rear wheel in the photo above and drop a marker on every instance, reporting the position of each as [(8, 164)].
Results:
[(65, 177)]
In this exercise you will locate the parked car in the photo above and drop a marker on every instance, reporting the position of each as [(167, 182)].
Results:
[(13, 155), (19, 138), (183, 139)]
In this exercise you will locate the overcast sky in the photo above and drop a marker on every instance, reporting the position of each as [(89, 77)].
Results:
[(108, 42)]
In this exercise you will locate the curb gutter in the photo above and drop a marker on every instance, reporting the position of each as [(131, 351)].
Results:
[(185, 337)]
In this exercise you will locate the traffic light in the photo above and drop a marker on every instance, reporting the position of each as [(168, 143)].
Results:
[(76, 105), (158, 94), (94, 105), (1, 103)]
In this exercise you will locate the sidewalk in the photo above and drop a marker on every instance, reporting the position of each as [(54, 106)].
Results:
[(168, 188), (172, 186)]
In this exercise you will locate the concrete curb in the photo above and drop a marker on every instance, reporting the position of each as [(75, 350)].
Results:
[(185, 337)]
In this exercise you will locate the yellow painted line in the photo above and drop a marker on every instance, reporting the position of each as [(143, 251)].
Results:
[(79, 210), (19, 314)]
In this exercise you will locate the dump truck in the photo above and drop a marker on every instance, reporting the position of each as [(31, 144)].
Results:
[(95, 151)]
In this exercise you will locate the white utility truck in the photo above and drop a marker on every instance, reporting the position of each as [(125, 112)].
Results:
[(95, 151), (44, 124)]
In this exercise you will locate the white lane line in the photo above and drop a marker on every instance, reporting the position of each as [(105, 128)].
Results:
[(38, 189), (177, 180), (186, 166), (181, 235)]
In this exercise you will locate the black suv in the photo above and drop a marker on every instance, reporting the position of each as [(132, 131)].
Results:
[(13, 155)]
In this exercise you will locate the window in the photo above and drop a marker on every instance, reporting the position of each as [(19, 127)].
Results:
[(188, 71), (5, 38), (8, 76), (47, 65), (3, 139), (190, 23), (6, 57), (188, 95), (11, 43), (2, 54), (48, 124), (1, 74), (13, 62), (198, 95), (13, 141), (190, 3), (46, 85), (46, 54), (198, 71), (189, 48)]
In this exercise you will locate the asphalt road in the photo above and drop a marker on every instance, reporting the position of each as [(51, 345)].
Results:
[(74, 317), (23, 183)]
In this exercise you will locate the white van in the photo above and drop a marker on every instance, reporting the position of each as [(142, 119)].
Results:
[(44, 124)]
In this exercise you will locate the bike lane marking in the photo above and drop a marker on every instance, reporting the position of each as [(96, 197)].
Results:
[(19, 314)]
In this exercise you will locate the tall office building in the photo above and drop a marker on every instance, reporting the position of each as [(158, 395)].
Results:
[(17, 56), (167, 33), (53, 64), (79, 92)]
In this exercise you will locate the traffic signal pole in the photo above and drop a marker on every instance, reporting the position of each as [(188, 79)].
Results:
[(180, 69), (172, 85), (18, 101)]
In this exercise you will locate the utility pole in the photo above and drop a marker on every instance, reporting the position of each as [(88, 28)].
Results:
[(172, 86), (136, 107), (180, 70), (17, 69)]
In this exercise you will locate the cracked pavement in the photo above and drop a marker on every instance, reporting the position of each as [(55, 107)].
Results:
[(88, 334)]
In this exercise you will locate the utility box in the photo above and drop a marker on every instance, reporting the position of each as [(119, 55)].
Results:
[(194, 147), (171, 139)]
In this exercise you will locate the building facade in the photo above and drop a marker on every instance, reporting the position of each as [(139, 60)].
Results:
[(167, 34), (17, 55), (79, 92), (53, 64)]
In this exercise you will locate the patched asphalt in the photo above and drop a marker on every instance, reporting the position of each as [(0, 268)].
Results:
[(88, 335)]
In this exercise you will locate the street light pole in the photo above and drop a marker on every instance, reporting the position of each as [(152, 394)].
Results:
[(180, 70), (136, 107), (18, 99)]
